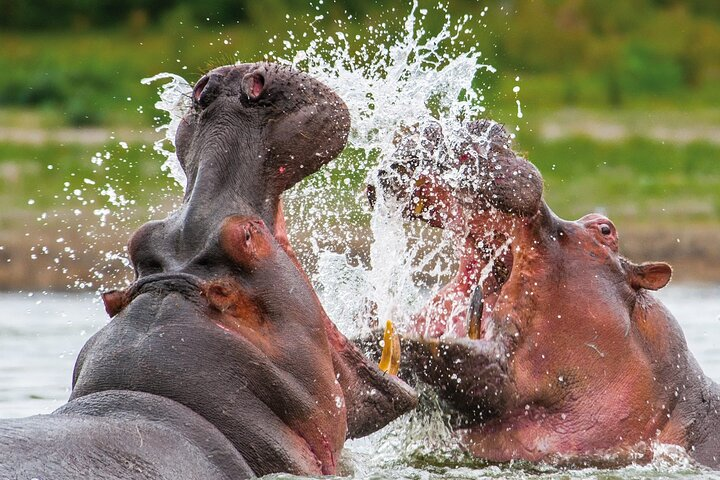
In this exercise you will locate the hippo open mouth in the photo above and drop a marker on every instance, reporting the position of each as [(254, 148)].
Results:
[(477, 189), (547, 344)]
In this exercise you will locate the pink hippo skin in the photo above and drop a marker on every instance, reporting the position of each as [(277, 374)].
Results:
[(559, 352)]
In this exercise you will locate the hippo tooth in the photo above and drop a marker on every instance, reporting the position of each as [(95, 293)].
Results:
[(390, 358), (474, 315)]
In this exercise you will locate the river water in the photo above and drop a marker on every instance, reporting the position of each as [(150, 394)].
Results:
[(41, 334)]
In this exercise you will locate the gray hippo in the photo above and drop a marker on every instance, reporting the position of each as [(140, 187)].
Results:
[(219, 361), (547, 345)]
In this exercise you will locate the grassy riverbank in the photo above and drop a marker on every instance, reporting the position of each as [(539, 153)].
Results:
[(619, 115), (67, 207), (635, 180)]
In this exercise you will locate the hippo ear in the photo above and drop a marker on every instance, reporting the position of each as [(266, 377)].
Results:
[(650, 275)]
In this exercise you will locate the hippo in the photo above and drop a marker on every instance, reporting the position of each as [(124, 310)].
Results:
[(219, 361), (547, 344)]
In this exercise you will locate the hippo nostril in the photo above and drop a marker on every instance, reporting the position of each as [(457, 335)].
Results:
[(199, 87), (254, 85), (207, 90)]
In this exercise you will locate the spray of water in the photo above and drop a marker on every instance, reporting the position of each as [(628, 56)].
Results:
[(392, 79), (391, 82), (175, 99)]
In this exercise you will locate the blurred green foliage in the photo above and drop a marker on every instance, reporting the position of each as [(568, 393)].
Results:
[(85, 57), (635, 181), (83, 14), (79, 63)]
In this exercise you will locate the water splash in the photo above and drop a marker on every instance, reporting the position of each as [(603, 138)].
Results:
[(392, 78), (95, 212), (176, 100), (390, 82)]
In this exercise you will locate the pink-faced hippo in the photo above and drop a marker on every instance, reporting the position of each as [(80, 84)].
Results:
[(547, 345), (219, 360)]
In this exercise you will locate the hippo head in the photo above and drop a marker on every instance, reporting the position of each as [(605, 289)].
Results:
[(547, 343), (221, 317)]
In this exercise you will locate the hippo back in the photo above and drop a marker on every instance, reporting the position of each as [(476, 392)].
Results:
[(161, 440)]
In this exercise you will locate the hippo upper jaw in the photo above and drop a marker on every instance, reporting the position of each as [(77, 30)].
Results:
[(257, 130)]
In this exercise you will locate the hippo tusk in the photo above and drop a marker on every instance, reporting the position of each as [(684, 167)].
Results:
[(390, 358), (475, 313)]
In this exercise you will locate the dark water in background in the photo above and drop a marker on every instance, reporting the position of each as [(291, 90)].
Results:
[(41, 334)]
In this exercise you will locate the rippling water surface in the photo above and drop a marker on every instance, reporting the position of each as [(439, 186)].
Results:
[(41, 334)]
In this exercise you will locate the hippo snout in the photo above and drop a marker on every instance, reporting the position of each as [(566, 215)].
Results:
[(434, 175)]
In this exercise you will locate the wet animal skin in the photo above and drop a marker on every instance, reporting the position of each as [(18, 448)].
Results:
[(219, 360), (547, 345)]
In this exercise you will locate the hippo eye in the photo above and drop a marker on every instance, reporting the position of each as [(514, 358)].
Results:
[(605, 229)]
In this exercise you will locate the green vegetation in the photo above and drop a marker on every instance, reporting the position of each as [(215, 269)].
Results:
[(648, 68), (84, 59), (51, 178), (634, 181), (637, 181)]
